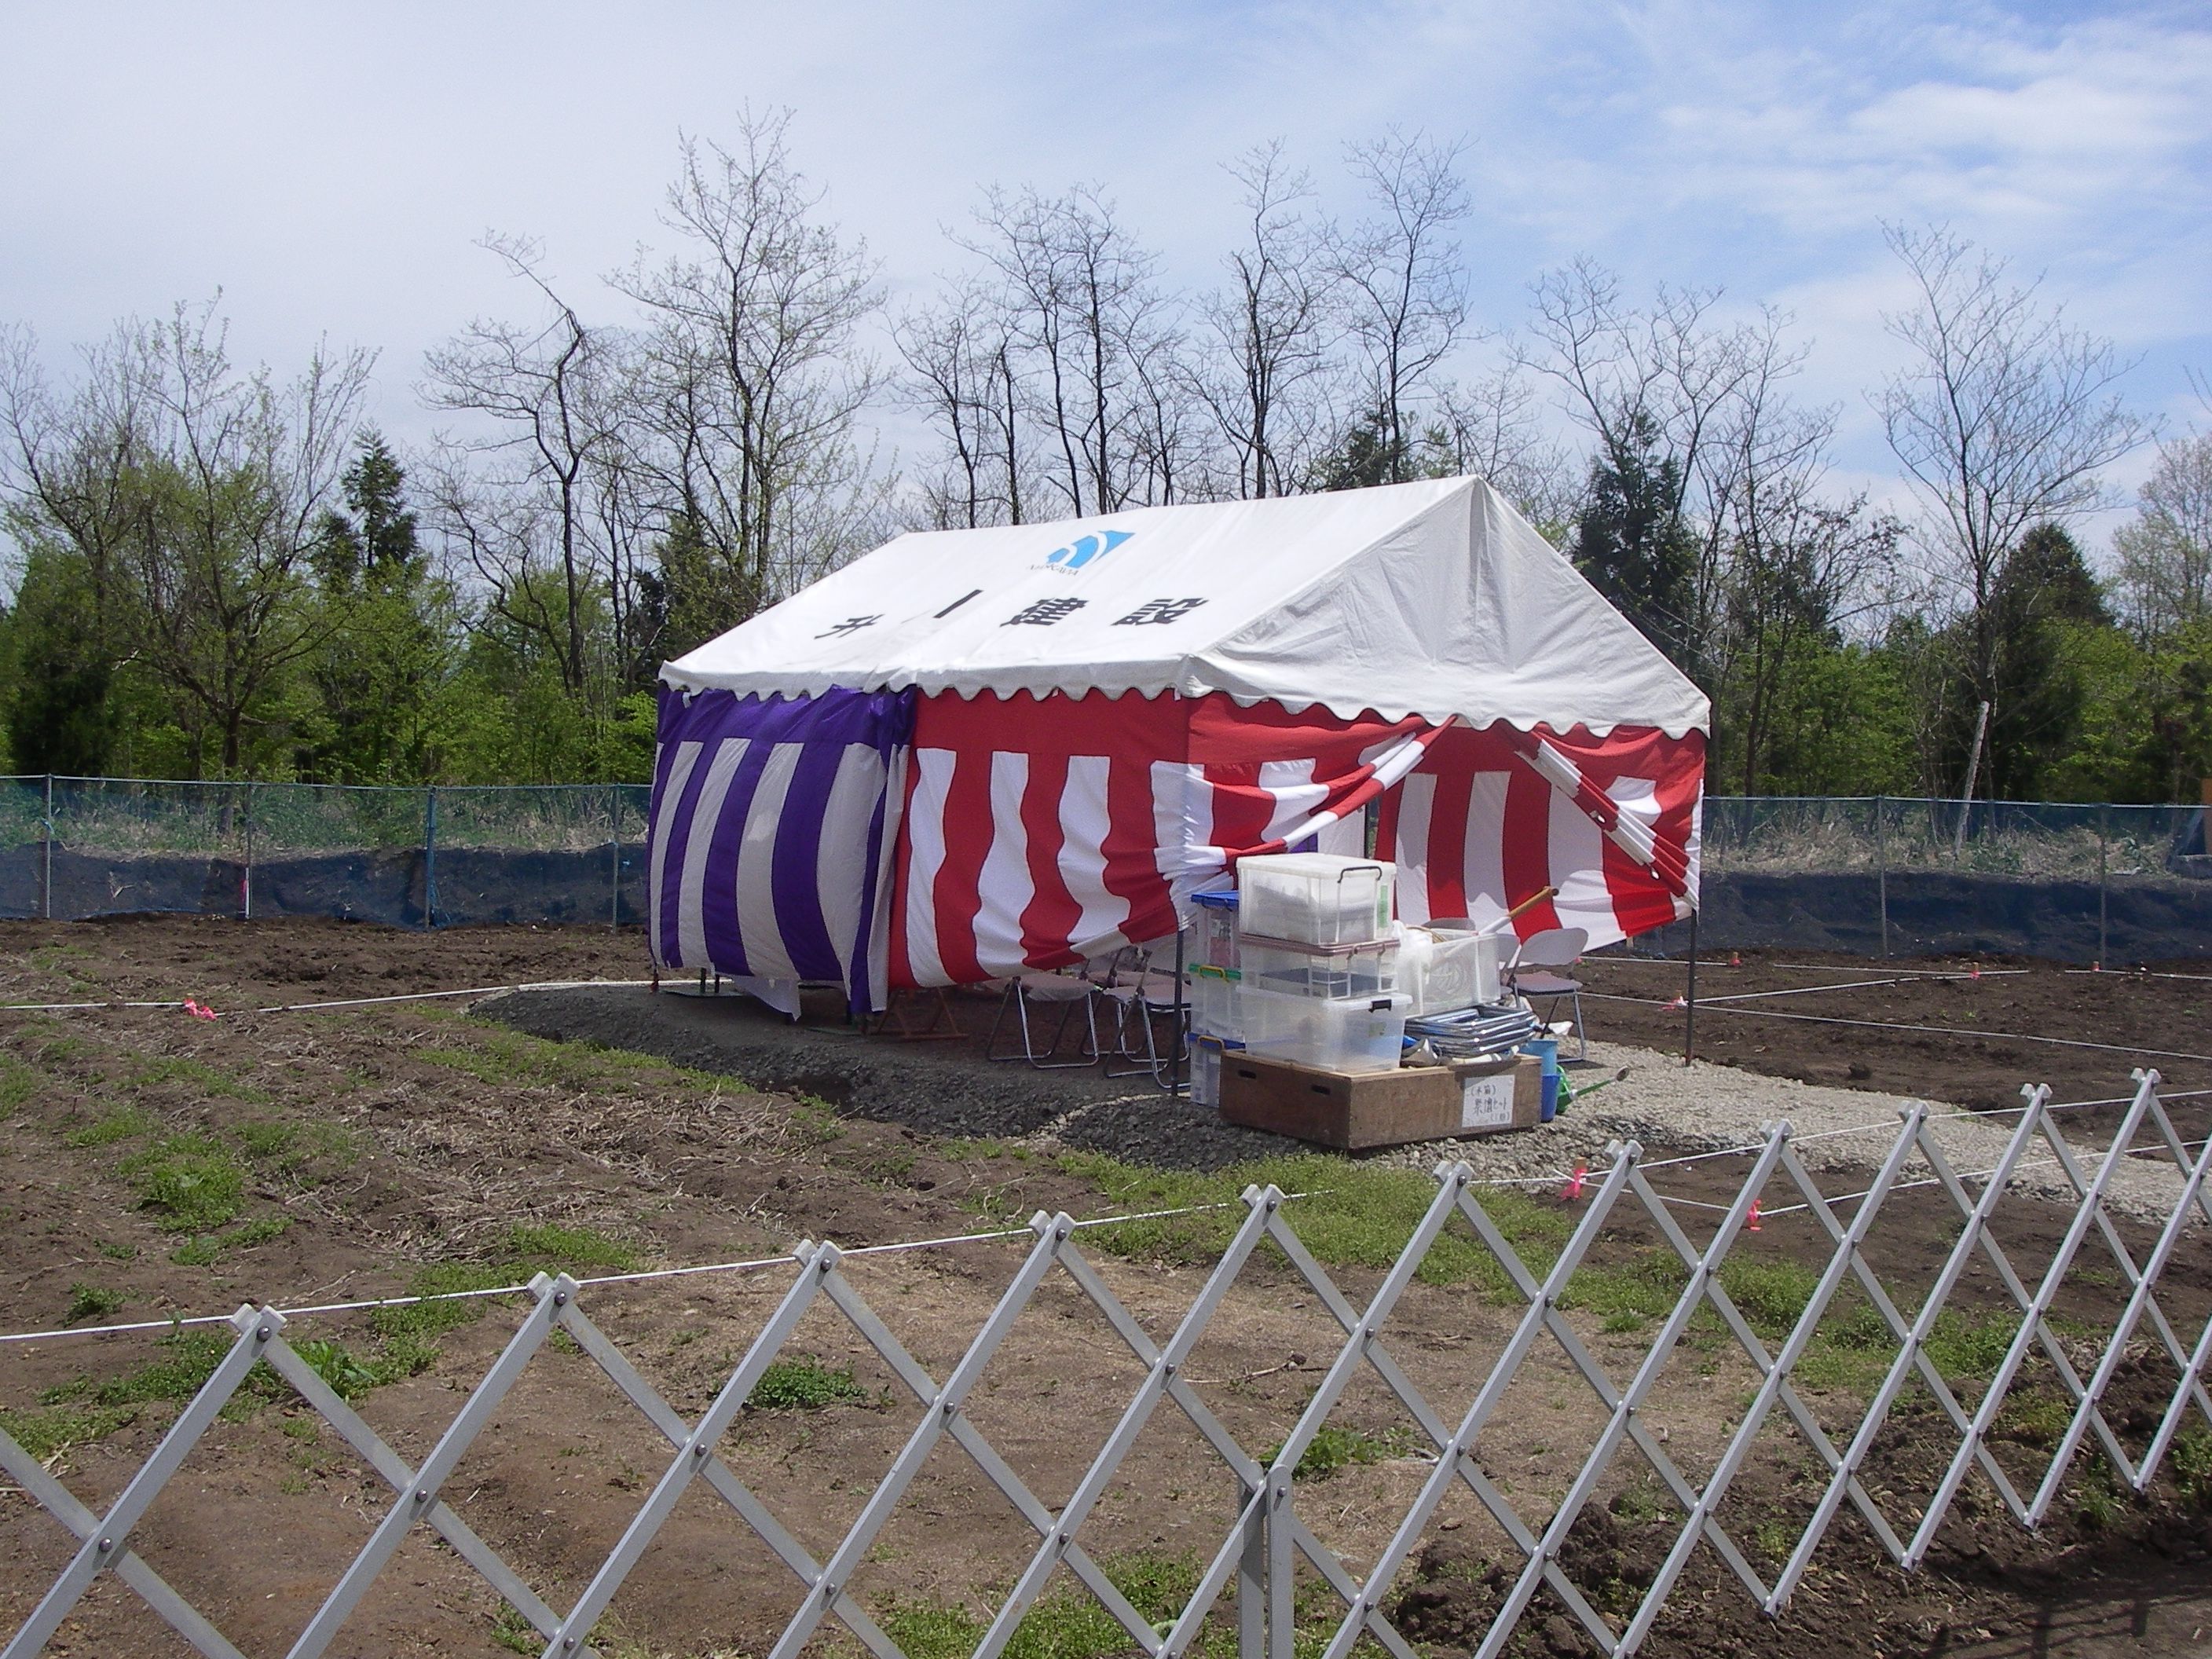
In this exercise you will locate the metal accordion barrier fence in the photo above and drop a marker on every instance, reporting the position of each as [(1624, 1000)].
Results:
[(1266, 1582)]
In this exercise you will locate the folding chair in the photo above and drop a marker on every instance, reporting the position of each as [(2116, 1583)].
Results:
[(1530, 974), (1140, 992), (1056, 989)]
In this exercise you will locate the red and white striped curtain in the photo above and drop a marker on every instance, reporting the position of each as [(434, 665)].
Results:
[(1042, 831), (1491, 817)]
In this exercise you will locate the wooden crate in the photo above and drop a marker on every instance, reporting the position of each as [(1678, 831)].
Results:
[(1351, 1111)]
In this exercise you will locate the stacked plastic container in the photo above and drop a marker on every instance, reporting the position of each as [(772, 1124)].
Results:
[(1211, 985), (1316, 975)]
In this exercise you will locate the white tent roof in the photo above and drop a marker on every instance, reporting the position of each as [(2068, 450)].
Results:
[(1434, 598)]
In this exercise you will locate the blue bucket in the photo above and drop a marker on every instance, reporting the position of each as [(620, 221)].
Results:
[(1546, 1049)]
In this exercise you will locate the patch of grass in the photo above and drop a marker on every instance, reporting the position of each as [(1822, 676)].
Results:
[(63, 1049), (1774, 1538), (123, 1123), (552, 1247), (1965, 1346), (57, 1429), (407, 1330), (1354, 1215), (92, 1302), (190, 1184), (187, 1359), (1646, 1287), (1638, 1505), (1772, 1295), (18, 1082), (85, 1408), (2035, 1416), (2099, 1504), (514, 1632), (817, 1119), (292, 1147), (2190, 1458), (205, 1249), (194, 1074), (1333, 1449), (1069, 1623), (418, 1320), (805, 1385)]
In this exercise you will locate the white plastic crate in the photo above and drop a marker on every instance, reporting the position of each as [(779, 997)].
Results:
[(1314, 899)]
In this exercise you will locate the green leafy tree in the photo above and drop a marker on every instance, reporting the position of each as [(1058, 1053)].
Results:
[(382, 679)]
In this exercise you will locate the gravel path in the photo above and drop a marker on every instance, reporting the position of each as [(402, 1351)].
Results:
[(941, 1090)]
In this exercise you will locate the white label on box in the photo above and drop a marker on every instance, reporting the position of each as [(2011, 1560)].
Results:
[(1486, 1103)]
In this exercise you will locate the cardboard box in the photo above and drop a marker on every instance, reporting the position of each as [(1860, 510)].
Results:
[(1493, 1098), (1341, 1109), (1351, 1111)]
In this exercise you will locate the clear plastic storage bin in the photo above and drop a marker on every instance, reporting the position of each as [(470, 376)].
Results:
[(1214, 930), (1320, 971), (1212, 995), (1314, 899), (1205, 1056), (1347, 1033), (1446, 969)]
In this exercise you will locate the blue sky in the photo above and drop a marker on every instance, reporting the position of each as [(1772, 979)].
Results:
[(331, 171)]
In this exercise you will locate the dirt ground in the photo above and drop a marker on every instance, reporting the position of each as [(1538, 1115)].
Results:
[(1764, 1010), (375, 1149)]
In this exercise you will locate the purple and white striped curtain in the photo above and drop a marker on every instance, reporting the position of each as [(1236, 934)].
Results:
[(773, 824)]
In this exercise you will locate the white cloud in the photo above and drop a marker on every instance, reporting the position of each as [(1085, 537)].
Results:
[(328, 170)]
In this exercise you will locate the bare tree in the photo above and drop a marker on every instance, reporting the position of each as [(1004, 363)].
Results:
[(1673, 395), (961, 379), (70, 460), (1265, 382), (194, 492), (1405, 290), (1491, 428), (2003, 419), (2164, 576), (753, 368), (1090, 332), (543, 420)]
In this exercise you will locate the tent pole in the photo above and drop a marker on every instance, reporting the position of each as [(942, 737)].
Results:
[(1690, 1002), (1175, 1039)]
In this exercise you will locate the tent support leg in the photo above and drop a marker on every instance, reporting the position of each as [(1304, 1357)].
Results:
[(1690, 1000)]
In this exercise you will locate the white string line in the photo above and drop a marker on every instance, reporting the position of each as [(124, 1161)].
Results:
[(641, 1276), (1938, 1030), (1810, 990), (312, 1007), (1835, 967), (2133, 973)]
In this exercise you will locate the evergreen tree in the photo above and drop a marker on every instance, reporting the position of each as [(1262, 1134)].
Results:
[(1631, 543)]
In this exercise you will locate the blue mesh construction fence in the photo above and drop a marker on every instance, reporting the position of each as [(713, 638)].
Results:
[(73, 847), (1867, 875)]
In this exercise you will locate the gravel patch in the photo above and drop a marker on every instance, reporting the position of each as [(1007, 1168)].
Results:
[(947, 1089)]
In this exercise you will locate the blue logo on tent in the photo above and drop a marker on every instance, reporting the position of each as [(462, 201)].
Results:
[(1084, 549)]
